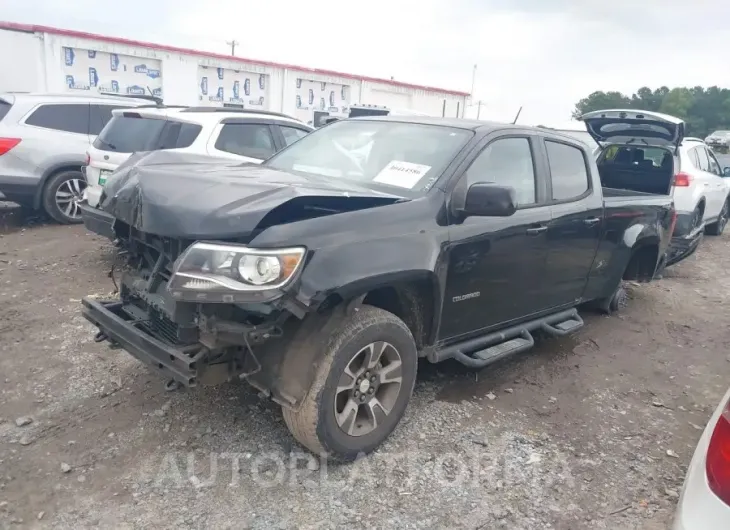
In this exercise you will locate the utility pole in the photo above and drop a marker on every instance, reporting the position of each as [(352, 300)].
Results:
[(233, 44), (479, 108), (473, 79)]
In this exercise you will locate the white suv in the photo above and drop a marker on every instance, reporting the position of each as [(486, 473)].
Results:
[(648, 152), (243, 135)]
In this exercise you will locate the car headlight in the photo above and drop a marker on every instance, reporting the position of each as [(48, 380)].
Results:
[(227, 273)]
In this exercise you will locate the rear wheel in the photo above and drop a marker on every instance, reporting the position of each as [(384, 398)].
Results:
[(614, 303), (361, 388), (696, 219), (61, 195), (718, 227)]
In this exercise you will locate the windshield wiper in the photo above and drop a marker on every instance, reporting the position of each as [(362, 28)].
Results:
[(109, 145)]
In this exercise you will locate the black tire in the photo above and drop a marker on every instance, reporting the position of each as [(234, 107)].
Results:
[(315, 424), (62, 184), (614, 303), (718, 227)]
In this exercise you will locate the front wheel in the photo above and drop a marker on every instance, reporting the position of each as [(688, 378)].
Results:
[(361, 387), (718, 227)]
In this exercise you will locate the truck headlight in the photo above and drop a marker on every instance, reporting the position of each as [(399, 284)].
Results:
[(214, 272)]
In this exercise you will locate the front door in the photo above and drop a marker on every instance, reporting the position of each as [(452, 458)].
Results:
[(576, 226), (496, 264)]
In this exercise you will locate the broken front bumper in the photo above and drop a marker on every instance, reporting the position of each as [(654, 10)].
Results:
[(97, 221), (119, 327)]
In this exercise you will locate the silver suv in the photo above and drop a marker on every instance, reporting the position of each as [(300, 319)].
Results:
[(43, 144)]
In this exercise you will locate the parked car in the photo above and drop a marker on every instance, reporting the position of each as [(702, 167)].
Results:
[(43, 143), (321, 277), (647, 152), (240, 135), (719, 139), (704, 503)]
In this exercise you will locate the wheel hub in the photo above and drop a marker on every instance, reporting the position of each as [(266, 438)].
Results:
[(368, 388)]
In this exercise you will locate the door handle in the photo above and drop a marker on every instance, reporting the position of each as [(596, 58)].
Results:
[(591, 221), (535, 230)]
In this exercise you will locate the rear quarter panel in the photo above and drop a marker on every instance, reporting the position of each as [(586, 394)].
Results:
[(629, 224)]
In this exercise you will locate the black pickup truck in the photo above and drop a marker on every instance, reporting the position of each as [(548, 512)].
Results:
[(322, 275)]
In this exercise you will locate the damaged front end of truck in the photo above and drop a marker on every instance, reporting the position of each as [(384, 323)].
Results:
[(199, 301)]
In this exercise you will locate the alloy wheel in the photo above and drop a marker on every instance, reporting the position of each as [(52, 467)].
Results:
[(368, 388), (68, 195)]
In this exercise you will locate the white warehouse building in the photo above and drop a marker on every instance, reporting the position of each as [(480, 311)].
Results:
[(46, 59)]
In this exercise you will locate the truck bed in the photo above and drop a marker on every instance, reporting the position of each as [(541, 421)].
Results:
[(620, 197)]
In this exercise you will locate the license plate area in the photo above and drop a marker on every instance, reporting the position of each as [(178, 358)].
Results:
[(103, 175)]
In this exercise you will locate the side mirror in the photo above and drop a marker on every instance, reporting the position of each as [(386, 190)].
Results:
[(726, 171), (488, 200)]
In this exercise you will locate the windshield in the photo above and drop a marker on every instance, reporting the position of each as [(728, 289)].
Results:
[(723, 134), (407, 158)]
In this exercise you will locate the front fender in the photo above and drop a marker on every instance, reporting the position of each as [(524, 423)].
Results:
[(351, 269)]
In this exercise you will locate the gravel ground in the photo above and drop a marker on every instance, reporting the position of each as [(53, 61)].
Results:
[(590, 431)]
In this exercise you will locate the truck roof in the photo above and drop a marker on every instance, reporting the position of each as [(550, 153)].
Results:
[(458, 123)]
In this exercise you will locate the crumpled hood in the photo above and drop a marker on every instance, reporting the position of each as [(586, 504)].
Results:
[(198, 197)]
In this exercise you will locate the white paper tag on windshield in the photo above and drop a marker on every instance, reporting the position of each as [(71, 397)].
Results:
[(401, 174)]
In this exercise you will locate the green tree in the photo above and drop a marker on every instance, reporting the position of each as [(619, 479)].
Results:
[(703, 109)]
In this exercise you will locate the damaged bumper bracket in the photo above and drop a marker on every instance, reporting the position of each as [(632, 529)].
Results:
[(118, 328)]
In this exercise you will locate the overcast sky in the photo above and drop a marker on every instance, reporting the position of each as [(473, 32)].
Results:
[(542, 54)]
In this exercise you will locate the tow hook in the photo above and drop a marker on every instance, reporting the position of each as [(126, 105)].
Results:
[(100, 337)]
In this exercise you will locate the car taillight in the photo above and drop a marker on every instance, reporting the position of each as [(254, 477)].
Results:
[(718, 457), (88, 159), (6, 144), (682, 180)]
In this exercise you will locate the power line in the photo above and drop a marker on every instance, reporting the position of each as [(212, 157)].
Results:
[(233, 44)]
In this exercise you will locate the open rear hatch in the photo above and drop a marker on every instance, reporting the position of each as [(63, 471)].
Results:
[(634, 127)]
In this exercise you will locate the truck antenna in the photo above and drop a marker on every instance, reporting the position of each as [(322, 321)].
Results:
[(518, 115)]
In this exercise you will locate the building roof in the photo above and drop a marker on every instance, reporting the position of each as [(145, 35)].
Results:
[(32, 28)]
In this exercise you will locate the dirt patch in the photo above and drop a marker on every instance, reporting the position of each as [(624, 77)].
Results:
[(577, 433)]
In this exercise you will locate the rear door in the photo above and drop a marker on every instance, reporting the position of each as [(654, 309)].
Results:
[(717, 183), (53, 134), (577, 220)]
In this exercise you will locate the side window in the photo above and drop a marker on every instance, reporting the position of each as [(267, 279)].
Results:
[(178, 135), (704, 160), (506, 162), (246, 139), (99, 116), (567, 170), (69, 118), (714, 164), (693, 158), (291, 134)]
